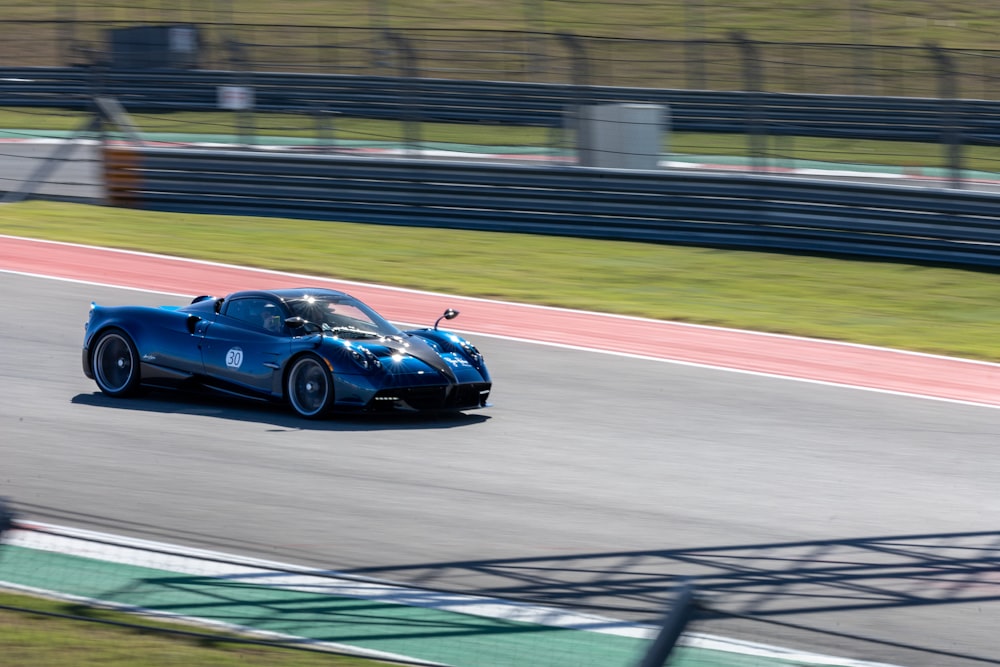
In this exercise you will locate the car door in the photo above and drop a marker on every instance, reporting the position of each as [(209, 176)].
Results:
[(171, 346), (240, 352)]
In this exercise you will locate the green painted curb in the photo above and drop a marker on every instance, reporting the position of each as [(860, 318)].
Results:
[(421, 633)]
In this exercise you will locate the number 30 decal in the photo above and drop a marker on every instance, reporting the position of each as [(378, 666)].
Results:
[(234, 358)]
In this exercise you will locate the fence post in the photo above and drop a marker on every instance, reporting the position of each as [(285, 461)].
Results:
[(67, 32), (580, 63), (409, 70), (378, 20), (694, 44), (753, 80), (580, 81), (951, 135), (534, 30), (678, 616), (243, 76), (861, 44)]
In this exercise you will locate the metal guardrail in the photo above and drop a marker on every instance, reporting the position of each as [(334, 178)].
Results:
[(932, 120), (717, 210)]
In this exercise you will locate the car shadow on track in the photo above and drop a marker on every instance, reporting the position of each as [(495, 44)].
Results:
[(249, 411)]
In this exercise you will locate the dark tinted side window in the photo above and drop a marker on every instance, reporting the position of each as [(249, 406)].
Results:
[(256, 312)]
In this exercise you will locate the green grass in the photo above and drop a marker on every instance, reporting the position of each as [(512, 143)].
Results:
[(931, 309), (90, 636)]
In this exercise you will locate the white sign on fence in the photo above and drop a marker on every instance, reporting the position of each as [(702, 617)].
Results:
[(235, 98)]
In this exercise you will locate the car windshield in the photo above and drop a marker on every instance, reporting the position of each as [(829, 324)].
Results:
[(342, 315)]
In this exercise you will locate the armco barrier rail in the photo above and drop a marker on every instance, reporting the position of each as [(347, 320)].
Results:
[(974, 122), (716, 210)]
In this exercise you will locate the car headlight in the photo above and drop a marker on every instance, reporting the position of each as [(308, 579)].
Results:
[(363, 357), (470, 350)]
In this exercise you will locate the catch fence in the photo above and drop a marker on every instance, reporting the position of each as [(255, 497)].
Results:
[(909, 106), (721, 63)]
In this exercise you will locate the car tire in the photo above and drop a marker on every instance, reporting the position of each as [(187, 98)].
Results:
[(309, 387), (115, 363)]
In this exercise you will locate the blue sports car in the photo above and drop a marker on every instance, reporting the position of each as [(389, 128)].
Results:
[(319, 350)]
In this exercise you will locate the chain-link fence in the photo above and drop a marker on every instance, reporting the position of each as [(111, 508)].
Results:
[(519, 55), (737, 90)]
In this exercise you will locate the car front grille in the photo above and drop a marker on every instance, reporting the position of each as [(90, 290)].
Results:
[(460, 397)]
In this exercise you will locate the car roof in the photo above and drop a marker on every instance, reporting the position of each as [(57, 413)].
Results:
[(289, 293)]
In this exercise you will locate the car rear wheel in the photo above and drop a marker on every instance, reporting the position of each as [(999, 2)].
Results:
[(310, 387), (116, 364)]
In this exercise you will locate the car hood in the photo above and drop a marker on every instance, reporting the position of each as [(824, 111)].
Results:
[(408, 354)]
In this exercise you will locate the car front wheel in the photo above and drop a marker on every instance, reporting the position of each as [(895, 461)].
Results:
[(310, 387), (116, 364)]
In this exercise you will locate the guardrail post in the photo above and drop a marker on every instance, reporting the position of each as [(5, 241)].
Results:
[(951, 135)]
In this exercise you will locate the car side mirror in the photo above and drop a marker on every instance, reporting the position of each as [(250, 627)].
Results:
[(297, 322), (449, 314)]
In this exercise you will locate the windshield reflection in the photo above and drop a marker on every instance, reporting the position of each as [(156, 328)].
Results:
[(341, 314)]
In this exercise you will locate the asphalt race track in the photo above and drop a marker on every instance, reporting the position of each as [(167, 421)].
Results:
[(595, 482)]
